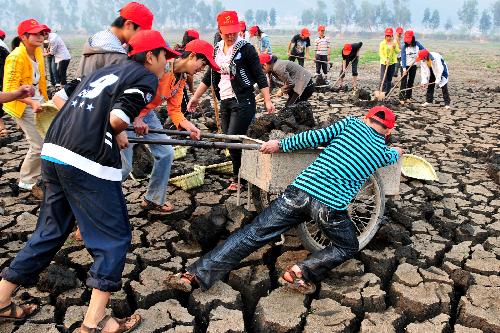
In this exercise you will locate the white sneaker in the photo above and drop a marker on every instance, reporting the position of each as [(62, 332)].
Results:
[(426, 104), (25, 186)]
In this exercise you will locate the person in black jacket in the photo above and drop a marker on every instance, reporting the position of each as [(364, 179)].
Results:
[(233, 86), (81, 170), (350, 54)]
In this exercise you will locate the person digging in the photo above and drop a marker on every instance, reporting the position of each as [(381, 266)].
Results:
[(354, 149)]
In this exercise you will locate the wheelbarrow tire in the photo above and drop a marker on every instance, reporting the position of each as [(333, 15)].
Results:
[(366, 211)]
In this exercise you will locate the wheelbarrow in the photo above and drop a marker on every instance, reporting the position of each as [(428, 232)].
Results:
[(269, 174)]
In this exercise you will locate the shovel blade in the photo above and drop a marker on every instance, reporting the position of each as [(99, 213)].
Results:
[(379, 95)]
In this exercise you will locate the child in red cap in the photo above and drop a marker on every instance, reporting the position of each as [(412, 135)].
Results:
[(434, 72), (409, 53), (300, 49), (354, 149), (322, 48), (81, 167), (350, 54), (388, 52), (398, 39)]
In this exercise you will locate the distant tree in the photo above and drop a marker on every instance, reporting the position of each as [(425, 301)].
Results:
[(272, 17), (205, 19), (427, 17), (448, 25), (468, 13), (320, 16), (339, 13), (307, 16), (402, 14), (217, 7), (366, 16), (261, 16), (384, 15), (496, 14), (485, 22), (435, 20), (350, 12), (249, 18)]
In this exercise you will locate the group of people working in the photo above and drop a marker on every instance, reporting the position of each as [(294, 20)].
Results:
[(85, 154)]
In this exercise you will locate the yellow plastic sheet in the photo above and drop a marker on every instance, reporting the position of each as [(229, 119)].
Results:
[(417, 167)]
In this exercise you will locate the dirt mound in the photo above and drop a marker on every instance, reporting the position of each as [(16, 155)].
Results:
[(320, 80), (142, 164), (292, 119)]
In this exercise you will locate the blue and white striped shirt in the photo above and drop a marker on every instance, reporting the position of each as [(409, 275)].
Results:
[(354, 151)]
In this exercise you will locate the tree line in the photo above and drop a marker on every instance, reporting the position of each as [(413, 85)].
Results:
[(93, 15)]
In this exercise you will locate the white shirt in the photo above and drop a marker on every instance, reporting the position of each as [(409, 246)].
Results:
[(36, 80), (2, 44), (57, 48), (223, 60)]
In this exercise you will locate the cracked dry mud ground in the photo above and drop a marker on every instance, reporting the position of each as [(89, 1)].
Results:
[(433, 267)]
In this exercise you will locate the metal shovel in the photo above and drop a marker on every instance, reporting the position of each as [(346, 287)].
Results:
[(379, 94)]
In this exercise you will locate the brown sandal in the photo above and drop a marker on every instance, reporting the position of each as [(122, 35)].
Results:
[(149, 205), (121, 325), (292, 281), (179, 281), (13, 312)]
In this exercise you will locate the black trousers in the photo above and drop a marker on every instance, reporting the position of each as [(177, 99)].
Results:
[(294, 98), (386, 86), (430, 91), (354, 67), (323, 65), (235, 117), (407, 82), (62, 68), (299, 60)]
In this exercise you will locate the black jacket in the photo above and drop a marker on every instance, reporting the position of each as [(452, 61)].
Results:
[(81, 134), (245, 69)]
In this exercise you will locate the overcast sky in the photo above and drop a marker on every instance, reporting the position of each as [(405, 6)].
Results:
[(446, 8)]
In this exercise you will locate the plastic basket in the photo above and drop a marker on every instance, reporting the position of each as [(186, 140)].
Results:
[(190, 180), (44, 119), (223, 168), (180, 152)]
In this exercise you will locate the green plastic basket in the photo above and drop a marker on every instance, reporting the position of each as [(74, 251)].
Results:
[(180, 152), (190, 180), (225, 168)]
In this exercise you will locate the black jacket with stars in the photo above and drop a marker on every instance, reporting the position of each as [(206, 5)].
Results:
[(81, 134)]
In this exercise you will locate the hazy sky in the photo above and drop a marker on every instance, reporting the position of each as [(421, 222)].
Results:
[(446, 8)]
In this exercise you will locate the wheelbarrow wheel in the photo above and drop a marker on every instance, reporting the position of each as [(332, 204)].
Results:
[(366, 211)]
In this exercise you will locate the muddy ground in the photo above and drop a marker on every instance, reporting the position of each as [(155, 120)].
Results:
[(433, 266)]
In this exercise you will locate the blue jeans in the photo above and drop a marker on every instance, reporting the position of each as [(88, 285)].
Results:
[(101, 211), (54, 79), (163, 155), (293, 207)]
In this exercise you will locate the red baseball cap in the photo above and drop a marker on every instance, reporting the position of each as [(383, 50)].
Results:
[(243, 26), (389, 119), (203, 47), (321, 28), (422, 54), (2, 33), (305, 32), (399, 30), (193, 33), (408, 36), (228, 22), (347, 49), (139, 14), (253, 30), (31, 26), (264, 58), (147, 40), (389, 32)]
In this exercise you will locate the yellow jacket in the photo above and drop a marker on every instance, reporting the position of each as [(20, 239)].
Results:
[(18, 71), (385, 52)]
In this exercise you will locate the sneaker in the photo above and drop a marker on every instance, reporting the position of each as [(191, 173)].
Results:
[(447, 107), (426, 104)]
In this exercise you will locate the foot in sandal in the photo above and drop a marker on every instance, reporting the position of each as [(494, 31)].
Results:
[(292, 278), (13, 312), (167, 207), (113, 325)]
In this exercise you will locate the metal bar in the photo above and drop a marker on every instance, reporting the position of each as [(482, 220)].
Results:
[(197, 144), (187, 133)]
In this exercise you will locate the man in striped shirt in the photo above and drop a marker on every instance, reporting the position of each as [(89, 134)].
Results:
[(322, 47), (354, 150)]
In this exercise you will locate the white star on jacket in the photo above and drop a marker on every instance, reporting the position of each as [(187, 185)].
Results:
[(90, 107), (74, 103), (82, 104)]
